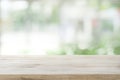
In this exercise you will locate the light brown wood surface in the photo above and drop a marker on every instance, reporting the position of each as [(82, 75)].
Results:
[(60, 68)]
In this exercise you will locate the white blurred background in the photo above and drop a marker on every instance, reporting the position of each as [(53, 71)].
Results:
[(60, 27)]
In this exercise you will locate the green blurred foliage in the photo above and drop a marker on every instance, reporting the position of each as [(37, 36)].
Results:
[(22, 18), (56, 52), (55, 15), (107, 25), (117, 50), (115, 3), (89, 51), (116, 44)]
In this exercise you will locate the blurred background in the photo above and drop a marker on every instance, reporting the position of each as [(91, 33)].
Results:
[(59, 27)]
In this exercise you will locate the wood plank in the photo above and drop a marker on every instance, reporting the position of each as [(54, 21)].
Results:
[(60, 77), (60, 68), (60, 65)]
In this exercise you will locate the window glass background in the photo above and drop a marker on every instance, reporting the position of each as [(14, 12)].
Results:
[(63, 27)]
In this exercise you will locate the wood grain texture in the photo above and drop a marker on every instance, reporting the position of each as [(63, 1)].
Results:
[(60, 77), (60, 68)]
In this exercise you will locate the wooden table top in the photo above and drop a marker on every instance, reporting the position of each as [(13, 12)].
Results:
[(49, 65)]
